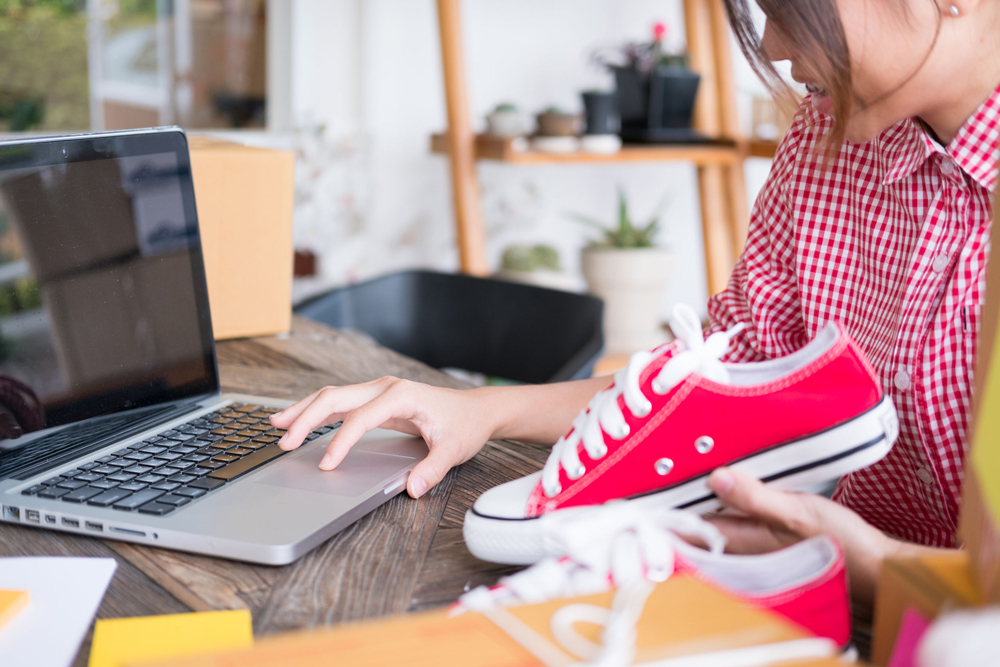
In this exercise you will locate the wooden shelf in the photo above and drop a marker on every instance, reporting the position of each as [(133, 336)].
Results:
[(504, 150), (760, 148)]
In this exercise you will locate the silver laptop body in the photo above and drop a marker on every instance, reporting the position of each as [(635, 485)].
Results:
[(111, 420)]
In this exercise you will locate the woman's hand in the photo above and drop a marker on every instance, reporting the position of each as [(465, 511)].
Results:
[(767, 519), (453, 422)]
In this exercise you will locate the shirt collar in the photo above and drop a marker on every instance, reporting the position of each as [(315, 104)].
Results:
[(907, 145)]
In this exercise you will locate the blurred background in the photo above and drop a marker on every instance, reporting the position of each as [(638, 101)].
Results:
[(355, 87)]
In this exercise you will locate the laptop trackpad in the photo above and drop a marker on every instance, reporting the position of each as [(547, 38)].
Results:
[(357, 473)]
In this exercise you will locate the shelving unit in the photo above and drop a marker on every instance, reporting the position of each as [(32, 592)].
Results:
[(720, 163)]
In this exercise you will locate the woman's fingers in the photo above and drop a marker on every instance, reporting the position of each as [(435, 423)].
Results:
[(428, 473), (393, 403), (751, 497), (328, 404)]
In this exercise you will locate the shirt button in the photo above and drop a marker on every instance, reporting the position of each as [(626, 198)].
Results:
[(925, 475), (902, 380), (940, 263)]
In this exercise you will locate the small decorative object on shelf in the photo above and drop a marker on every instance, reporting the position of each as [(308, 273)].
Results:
[(557, 131), (506, 120), (626, 269), (656, 90), (601, 113), (534, 265)]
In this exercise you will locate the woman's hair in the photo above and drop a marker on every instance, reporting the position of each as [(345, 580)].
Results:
[(812, 29)]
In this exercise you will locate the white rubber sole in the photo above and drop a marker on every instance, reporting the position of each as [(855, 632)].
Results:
[(819, 458)]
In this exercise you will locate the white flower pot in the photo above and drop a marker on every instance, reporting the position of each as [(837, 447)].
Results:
[(631, 282)]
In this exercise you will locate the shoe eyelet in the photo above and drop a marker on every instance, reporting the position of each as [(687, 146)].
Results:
[(622, 432), (663, 466), (577, 473), (555, 492), (601, 452), (658, 388), (704, 444)]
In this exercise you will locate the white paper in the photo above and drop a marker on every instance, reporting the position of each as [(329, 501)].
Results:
[(65, 595)]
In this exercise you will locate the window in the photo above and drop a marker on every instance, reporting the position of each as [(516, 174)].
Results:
[(71, 65)]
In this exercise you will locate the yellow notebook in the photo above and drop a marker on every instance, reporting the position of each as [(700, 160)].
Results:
[(121, 642), (11, 602), (683, 616)]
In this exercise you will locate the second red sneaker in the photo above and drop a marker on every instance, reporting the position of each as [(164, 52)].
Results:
[(666, 423)]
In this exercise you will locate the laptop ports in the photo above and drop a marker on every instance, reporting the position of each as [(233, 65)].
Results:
[(50, 518), (11, 513), (94, 525), (33, 516), (72, 523)]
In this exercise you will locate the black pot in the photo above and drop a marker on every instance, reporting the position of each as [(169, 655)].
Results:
[(657, 105), (600, 109)]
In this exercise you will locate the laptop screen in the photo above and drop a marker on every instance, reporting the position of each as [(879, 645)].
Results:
[(103, 304)]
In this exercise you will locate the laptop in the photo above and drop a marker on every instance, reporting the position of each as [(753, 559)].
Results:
[(112, 423)]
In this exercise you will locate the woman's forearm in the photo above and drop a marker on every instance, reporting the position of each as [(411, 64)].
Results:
[(538, 413)]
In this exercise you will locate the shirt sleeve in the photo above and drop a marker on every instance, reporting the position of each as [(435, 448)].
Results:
[(763, 289)]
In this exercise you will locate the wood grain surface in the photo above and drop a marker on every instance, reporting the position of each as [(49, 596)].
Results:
[(406, 555)]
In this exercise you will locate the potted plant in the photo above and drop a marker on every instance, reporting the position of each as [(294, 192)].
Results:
[(534, 265), (553, 122), (506, 120), (655, 88), (626, 269)]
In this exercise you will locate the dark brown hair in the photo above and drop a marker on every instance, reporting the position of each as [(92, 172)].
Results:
[(812, 29)]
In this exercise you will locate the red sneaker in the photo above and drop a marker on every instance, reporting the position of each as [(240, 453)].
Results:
[(664, 425), (623, 544)]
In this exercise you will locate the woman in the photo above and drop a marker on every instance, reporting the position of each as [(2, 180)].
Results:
[(876, 213)]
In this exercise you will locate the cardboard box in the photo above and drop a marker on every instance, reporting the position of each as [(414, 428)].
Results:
[(683, 617), (926, 584), (245, 198)]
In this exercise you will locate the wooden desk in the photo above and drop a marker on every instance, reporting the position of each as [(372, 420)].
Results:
[(405, 556)]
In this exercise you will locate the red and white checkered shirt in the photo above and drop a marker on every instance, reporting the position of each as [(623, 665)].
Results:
[(891, 240)]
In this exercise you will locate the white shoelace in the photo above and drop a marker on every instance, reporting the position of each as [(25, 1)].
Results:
[(626, 545), (604, 415)]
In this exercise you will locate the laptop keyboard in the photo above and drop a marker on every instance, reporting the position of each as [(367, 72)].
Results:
[(163, 473)]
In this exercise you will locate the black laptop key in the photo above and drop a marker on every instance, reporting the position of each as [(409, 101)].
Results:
[(153, 449), (121, 477), (211, 465), (199, 471), (137, 470), (104, 470), (88, 477), (207, 483), (137, 456), (52, 481), (53, 492), (168, 456), (120, 463), (191, 491), (171, 499), (82, 494), (156, 509), (247, 463), (163, 471), (109, 497), (166, 486), (137, 499), (148, 479), (182, 478), (88, 466), (33, 490), (104, 484), (133, 486), (105, 459), (71, 484), (178, 466), (196, 458)]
